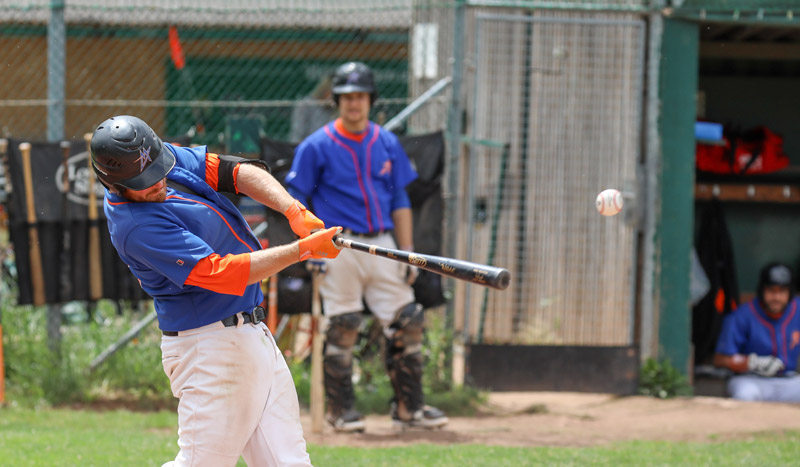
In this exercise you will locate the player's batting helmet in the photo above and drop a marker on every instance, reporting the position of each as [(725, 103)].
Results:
[(127, 153), (775, 274), (353, 77)]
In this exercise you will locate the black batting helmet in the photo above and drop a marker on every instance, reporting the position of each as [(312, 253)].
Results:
[(127, 153), (353, 77), (775, 274)]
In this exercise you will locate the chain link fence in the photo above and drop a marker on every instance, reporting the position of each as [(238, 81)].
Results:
[(209, 72), (548, 116), (553, 102)]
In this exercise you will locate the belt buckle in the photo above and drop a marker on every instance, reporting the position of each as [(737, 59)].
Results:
[(258, 314)]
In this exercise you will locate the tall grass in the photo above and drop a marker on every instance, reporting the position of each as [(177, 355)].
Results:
[(42, 372), (39, 371)]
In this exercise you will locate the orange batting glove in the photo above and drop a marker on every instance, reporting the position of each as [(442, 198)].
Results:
[(319, 244), (302, 221)]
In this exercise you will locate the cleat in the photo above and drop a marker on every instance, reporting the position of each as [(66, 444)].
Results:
[(349, 422), (426, 417)]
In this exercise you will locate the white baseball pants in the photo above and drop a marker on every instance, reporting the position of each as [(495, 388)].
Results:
[(760, 388), (237, 398), (355, 274)]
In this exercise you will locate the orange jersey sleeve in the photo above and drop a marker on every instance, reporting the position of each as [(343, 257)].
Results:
[(212, 170), (226, 274), (222, 172)]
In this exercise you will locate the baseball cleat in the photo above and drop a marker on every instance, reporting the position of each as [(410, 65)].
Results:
[(349, 422), (426, 417)]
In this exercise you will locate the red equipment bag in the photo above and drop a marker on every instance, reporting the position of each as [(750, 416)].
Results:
[(756, 151)]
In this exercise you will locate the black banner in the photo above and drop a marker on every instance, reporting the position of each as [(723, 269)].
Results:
[(60, 195)]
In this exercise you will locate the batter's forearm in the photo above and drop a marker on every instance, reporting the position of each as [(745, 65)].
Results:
[(266, 263), (263, 187), (403, 228)]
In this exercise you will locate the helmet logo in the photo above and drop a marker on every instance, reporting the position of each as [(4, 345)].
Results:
[(353, 77), (144, 158)]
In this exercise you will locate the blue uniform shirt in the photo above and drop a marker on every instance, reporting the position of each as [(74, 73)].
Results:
[(162, 242), (353, 184), (748, 330)]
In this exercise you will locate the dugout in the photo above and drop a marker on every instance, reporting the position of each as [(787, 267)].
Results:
[(735, 63), (728, 60)]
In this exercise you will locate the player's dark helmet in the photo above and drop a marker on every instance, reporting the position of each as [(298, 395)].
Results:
[(127, 153), (775, 274), (353, 77)]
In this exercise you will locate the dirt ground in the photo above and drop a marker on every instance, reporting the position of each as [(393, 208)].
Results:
[(579, 419)]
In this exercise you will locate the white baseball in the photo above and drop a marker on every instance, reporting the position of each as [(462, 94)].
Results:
[(609, 202)]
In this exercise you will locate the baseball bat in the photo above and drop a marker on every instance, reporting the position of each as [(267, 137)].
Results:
[(34, 248), (476, 273), (95, 268)]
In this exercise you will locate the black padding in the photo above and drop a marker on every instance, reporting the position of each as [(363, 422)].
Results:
[(343, 330), (227, 165), (340, 338), (404, 360)]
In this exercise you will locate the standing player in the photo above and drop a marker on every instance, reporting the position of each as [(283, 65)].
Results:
[(193, 252), (355, 174), (760, 341)]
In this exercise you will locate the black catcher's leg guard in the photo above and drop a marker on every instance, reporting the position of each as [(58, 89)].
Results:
[(340, 338), (404, 359)]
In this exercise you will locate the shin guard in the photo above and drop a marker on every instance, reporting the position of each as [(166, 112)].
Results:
[(404, 358), (340, 338)]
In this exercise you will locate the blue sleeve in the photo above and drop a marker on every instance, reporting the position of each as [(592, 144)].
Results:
[(400, 199), (192, 159), (302, 178), (402, 171), (168, 249), (733, 335)]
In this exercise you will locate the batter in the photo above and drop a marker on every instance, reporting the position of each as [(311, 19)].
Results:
[(194, 253)]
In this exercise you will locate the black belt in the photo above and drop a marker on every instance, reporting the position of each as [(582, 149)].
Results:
[(366, 235), (257, 315)]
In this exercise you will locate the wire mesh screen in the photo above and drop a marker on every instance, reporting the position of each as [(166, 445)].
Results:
[(554, 120), (204, 72)]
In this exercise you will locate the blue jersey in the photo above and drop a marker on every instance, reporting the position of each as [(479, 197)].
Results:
[(162, 242), (748, 330), (352, 183)]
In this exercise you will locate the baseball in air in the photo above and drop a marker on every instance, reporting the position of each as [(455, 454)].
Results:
[(609, 202)]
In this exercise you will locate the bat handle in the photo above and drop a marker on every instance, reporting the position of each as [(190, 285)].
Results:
[(339, 241)]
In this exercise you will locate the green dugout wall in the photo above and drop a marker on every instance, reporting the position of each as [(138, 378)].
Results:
[(743, 57), (677, 87)]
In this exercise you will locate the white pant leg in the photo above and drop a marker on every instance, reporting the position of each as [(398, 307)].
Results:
[(341, 285), (278, 438), (759, 388), (745, 388), (223, 377), (387, 290)]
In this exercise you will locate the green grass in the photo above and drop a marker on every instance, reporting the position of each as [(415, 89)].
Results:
[(62, 437)]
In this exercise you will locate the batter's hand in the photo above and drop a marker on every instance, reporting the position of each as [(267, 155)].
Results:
[(319, 244), (766, 365), (302, 221)]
